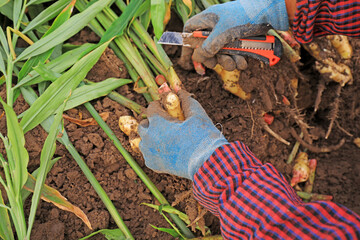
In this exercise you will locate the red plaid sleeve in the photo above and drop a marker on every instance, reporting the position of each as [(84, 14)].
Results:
[(315, 18), (253, 200)]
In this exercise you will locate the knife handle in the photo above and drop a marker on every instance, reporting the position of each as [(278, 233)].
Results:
[(269, 56)]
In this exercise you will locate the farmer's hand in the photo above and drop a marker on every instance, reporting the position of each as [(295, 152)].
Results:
[(178, 147), (230, 21)]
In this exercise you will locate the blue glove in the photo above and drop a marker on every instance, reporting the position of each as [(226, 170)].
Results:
[(233, 20), (178, 147)]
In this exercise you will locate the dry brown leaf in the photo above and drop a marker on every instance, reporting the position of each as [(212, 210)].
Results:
[(88, 121), (53, 196)]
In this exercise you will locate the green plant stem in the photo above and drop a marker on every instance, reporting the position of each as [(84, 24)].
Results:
[(125, 102), (97, 29), (17, 213), (127, 48), (146, 180), (294, 150), (139, 29), (155, 48), (106, 19), (147, 53)]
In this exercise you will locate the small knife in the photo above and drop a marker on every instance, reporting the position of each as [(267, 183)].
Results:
[(265, 48)]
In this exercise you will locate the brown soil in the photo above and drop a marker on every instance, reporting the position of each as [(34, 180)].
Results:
[(337, 173)]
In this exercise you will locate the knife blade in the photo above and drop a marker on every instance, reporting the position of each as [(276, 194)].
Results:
[(265, 48)]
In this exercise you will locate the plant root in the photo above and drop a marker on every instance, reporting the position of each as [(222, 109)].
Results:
[(314, 148), (272, 133), (295, 114), (320, 89), (252, 119), (343, 130), (334, 112)]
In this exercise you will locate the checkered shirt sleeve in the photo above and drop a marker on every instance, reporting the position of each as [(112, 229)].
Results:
[(314, 18), (254, 201)]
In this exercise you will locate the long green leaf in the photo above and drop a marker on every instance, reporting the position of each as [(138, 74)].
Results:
[(118, 26), (90, 92), (19, 153), (46, 74), (65, 31), (5, 224), (2, 65), (109, 234), (46, 15), (169, 209), (16, 11), (60, 19), (34, 2), (57, 65), (7, 9), (170, 231), (47, 153), (59, 90), (3, 2), (158, 9), (3, 41)]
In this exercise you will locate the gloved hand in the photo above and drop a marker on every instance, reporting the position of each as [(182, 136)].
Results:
[(230, 21), (178, 147)]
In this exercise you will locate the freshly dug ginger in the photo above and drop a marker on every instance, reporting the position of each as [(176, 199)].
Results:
[(129, 126), (301, 170), (231, 82), (173, 106), (342, 45), (340, 73)]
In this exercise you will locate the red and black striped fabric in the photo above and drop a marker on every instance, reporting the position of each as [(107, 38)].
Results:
[(254, 201), (314, 18)]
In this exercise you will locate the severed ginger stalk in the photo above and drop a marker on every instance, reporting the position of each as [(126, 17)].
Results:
[(301, 170), (231, 82), (173, 106), (129, 126), (342, 45)]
